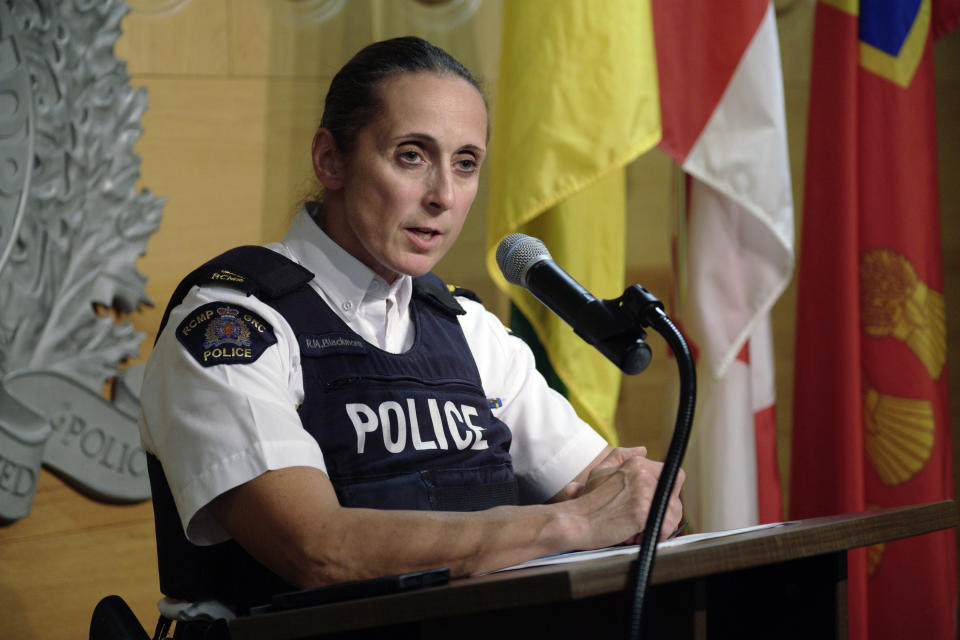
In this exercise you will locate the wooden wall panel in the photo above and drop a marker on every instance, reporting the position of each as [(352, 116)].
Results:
[(189, 39), (203, 150), (58, 562), (277, 38), (290, 118), (283, 38), (475, 41)]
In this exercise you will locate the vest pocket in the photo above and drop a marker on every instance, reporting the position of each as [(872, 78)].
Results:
[(471, 489), (463, 489)]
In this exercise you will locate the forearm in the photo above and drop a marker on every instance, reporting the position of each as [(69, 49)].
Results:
[(291, 522), (374, 542)]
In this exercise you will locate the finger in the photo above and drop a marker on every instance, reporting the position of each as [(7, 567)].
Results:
[(617, 457), (634, 457), (646, 466), (673, 518), (572, 490), (632, 540), (678, 483), (630, 452), (599, 474)]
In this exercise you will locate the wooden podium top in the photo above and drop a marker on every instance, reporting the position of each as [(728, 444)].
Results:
[(566, 582)]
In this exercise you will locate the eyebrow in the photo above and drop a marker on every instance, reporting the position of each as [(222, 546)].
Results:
[(428, 138)]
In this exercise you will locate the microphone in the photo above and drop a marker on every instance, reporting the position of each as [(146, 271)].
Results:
[(612, 326)]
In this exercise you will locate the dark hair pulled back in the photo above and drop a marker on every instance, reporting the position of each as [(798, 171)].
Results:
[(354, 100)]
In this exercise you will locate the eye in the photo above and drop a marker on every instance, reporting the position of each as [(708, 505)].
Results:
[(467, 165), (410, 156)]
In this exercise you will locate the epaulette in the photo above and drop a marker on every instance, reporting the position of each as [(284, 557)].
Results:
[(432, 289), (254, 270), (469, 294)]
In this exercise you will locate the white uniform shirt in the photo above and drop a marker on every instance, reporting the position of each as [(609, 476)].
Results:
[(214, 428)]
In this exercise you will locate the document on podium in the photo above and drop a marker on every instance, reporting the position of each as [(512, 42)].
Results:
[(609, 552)]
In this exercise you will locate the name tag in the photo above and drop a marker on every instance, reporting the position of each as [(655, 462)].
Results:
[(331, 344)]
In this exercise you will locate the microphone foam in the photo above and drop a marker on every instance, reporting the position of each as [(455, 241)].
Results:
[(516, 253)]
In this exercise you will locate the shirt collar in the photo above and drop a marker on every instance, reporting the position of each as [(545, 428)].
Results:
[(343, 278)]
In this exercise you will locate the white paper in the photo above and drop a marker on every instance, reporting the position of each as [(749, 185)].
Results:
[(610, 552)]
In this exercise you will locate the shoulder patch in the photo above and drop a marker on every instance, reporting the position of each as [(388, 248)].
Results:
[(224, 333)]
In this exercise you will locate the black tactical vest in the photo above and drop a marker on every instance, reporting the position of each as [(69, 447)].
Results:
[(397, 431)]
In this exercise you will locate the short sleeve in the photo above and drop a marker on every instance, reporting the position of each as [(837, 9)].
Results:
[(551, 444), (219, 401)]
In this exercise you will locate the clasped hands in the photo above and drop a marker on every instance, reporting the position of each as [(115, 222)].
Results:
[(620, 491)]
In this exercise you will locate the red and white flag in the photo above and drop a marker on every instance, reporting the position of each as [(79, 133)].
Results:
[(722, 106)]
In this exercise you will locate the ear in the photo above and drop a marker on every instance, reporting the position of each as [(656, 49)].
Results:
[(327, 162)]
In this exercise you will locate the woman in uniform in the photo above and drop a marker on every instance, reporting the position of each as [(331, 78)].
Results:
[(325, 409)]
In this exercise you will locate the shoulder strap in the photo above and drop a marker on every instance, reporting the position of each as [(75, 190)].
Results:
[(464, 293), (432, 289), (257, 271)]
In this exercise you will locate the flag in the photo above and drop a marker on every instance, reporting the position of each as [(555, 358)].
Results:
[(576, 100), (723, 122), (870, 423)]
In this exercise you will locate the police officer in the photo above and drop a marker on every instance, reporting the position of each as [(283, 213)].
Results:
[(325, 409)]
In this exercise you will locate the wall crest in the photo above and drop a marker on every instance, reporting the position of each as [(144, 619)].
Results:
[(71, 228)]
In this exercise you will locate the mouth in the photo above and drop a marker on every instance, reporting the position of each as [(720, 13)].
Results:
[(424, 238), (423, 233)]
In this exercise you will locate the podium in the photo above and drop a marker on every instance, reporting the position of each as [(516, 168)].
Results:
[(787, 581)]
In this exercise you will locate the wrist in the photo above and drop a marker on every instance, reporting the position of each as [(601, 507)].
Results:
[(566, 529)]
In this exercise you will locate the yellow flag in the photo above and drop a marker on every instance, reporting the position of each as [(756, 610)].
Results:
[(576, 101)]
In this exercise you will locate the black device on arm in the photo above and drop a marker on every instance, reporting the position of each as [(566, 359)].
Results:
[(341, 591), (615, 328)]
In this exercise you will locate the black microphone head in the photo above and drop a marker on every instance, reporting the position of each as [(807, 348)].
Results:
[(516, 253)]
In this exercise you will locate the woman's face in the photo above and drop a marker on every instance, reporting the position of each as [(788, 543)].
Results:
[(412, 175)]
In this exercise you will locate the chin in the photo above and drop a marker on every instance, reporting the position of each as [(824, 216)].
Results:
[(416, 267), (413, 273)]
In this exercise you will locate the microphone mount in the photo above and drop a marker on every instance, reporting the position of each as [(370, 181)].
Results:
[(616, 327), (613, 327)]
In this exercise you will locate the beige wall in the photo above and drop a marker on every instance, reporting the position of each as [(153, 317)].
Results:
[(234, 93)]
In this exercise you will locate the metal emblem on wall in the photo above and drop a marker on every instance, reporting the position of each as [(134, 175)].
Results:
[(71, 228)]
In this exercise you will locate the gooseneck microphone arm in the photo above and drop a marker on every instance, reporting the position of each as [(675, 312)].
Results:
[(643, 568), (616, 329)]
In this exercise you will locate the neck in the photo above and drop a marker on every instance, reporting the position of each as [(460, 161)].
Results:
[(327, 215)]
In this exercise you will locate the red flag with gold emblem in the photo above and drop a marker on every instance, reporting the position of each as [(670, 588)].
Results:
[(870, 398)]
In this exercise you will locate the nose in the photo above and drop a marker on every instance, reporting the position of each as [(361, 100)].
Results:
[(441, 194)]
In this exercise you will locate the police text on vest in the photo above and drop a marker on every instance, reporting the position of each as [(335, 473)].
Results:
[(397, 422)]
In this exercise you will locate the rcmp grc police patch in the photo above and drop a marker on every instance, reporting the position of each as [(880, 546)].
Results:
[(222, 333)]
